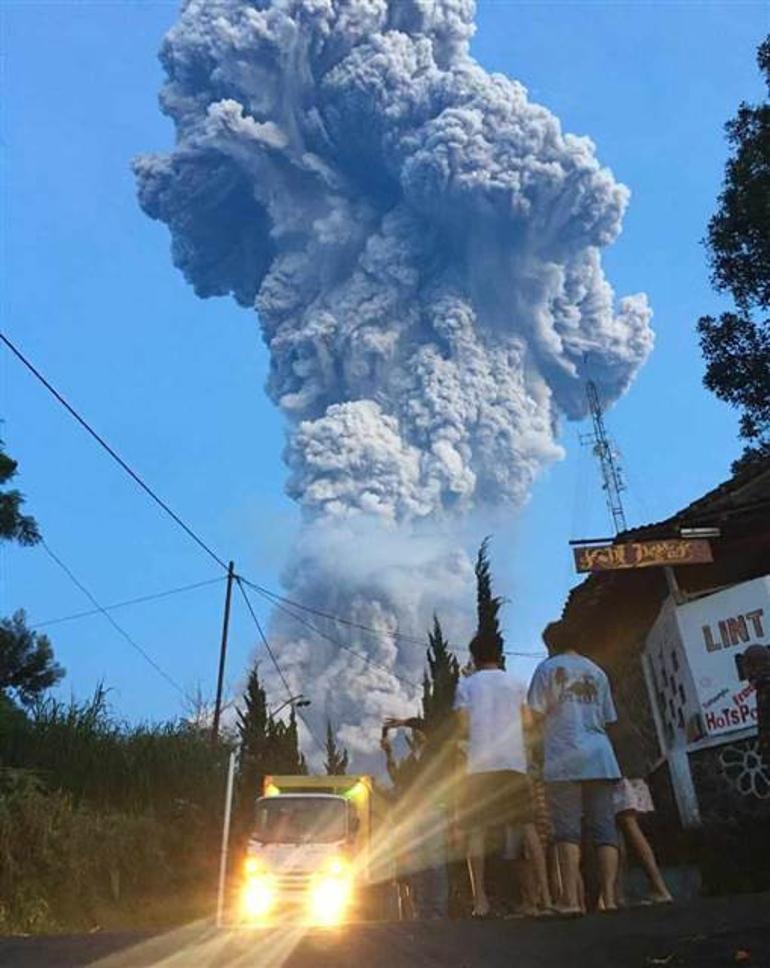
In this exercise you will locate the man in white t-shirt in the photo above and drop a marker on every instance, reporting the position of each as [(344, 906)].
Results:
[(496, 789)]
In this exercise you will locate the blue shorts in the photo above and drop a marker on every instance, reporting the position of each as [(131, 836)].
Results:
[(574, 803)]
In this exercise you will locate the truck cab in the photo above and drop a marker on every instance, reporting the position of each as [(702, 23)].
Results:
[(308, 857)]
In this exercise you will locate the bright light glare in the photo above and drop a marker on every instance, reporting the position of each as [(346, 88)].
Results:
[(271, 790), (337, 866), (329, 899), (358, 792), (258, 897)]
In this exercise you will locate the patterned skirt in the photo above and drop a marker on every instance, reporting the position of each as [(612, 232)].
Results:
[(632, 795)]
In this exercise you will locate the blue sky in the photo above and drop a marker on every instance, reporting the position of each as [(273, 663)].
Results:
[(175, 383)]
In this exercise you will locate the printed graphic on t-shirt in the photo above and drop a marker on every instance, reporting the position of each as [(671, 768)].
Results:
[(582, 689)]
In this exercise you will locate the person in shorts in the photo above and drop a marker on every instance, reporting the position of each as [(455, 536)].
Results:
[(495, 790), (632, 799), (571, 696)]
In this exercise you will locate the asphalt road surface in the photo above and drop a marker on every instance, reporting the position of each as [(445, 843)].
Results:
[(717, 933)]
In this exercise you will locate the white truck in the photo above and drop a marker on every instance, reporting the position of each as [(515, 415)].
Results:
[(318, 852)]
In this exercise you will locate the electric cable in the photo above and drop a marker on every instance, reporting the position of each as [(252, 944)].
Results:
[(361, 655), (131, 601), (271, 654), (277, 599), (189, 531), (115, 456), (119, 629)]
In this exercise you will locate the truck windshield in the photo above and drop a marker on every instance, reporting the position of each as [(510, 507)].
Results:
[(298, 820)]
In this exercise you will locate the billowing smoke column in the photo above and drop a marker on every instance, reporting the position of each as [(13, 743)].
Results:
[(422, 245)]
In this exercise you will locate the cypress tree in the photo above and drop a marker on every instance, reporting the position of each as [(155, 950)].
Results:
[(285, 754), (440, 682), (255, 740), (336, 757), (488, 605)]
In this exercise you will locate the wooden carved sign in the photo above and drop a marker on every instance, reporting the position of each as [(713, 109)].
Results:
[(643, 554)]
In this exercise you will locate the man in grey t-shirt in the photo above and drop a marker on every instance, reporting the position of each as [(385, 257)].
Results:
[(571, 697)]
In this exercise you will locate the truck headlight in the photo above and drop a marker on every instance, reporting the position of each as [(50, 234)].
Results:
[(253, 866), (329, 898), (331, 891), (258, 893)]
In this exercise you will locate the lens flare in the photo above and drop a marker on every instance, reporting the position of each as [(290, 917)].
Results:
[(258, 897), (253, 866), (329, 898), (338, 867), (358, 792)]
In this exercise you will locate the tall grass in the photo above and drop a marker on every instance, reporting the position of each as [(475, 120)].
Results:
[(80, 747), (97, 815)]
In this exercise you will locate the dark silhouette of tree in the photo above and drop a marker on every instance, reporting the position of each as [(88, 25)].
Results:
[(736, 345), (336, 757), (284, 752), (440, 682), (254, 740), (27, 666), (266, 745), (14, 526), (488, 605)]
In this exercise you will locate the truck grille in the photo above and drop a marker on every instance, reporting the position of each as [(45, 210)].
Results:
[(293, 881)]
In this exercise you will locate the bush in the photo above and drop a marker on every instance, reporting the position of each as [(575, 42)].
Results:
[(99, 819), (61, 863)]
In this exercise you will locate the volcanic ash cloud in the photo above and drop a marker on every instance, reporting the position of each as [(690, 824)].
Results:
[(422, 246)]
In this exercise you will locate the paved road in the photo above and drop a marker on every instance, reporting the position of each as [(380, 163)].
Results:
[(718, 933)]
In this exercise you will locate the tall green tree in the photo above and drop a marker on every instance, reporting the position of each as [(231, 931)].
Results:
[(736, 345), (440, 682), (488, 605), (253, 725), (336, 763), (284, 752), (266, 745), (27, 665)]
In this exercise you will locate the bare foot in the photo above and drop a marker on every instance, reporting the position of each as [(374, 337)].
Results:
[(661, 898)]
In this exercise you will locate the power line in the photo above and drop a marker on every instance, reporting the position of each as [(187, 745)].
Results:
[(282, 677), (130, 601), (274, 597), (121, 631), (341, 645), (115, 456), (277, 599)]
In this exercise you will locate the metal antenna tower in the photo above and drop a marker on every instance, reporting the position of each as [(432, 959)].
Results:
[(613, 484)]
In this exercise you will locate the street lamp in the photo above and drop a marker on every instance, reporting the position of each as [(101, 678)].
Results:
[(298, 701)]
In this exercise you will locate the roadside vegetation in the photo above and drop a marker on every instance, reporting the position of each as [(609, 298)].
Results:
[(103, 823)]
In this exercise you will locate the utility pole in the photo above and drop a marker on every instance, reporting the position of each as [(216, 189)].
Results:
[(612, 478), (223, 653)]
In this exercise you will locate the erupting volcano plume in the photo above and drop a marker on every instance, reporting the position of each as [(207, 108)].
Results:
[(421, 244)]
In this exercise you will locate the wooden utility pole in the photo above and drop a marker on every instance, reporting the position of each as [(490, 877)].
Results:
[(223, 653)]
